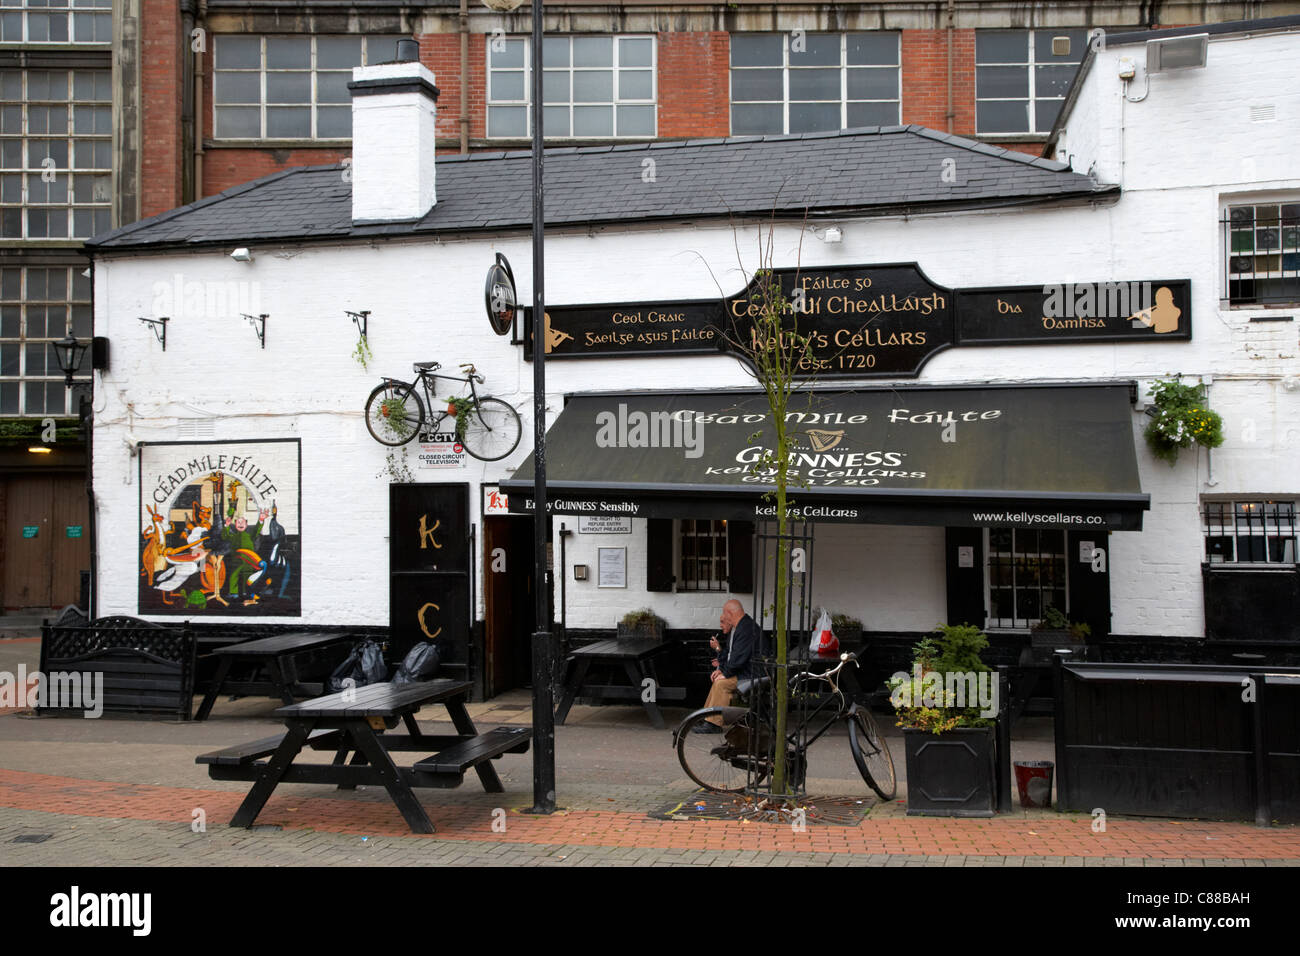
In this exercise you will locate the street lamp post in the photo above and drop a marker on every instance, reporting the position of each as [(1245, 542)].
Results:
[(68, 352), (542, 641)]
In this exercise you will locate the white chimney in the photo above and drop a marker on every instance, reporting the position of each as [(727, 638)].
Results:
[(393, 110)]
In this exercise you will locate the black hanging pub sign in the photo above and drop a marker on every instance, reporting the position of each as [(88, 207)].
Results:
[(876, 320)]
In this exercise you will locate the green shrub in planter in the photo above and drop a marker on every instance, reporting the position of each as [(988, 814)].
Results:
[(948, 742), (643, 623)]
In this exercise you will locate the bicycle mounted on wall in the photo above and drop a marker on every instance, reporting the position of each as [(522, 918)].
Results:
[(488, 427)]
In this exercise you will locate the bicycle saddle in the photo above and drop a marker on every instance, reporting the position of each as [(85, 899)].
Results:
[(746, 684), (427, 366)]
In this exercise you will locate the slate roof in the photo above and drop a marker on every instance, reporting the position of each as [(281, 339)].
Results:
[(876, 169)]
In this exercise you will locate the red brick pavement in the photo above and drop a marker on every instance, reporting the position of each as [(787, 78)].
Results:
[(1068, 835)]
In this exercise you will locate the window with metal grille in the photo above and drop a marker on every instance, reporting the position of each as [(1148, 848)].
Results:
[(1026, 576), (56, 153), (39, 305), (592, 87), (815, 82), (289, 87), (1262, 246), (1249, 532), (1020, 83), (702, 555), (52, 21)]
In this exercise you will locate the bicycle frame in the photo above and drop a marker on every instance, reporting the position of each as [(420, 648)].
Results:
[(431, 401), (842, 709)]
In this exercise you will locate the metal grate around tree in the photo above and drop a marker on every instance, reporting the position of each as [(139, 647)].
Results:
[(796, 548)]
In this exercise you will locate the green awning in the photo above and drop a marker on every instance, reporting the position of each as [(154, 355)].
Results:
[(1039, 456)]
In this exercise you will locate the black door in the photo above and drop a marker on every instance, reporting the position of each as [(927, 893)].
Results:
[(429, 572)]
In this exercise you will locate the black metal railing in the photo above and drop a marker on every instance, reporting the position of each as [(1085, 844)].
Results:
[(1262, 254)]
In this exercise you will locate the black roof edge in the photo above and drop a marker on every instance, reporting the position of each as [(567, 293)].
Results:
[(1213, 29), (1092, 194), (252, 184)]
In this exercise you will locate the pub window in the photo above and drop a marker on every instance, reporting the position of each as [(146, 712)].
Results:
[(594, 87), (1262, 253), (1026, 576), (702, 555), (1249, 532), (815, 82), (56, 146), (39, 305), (1020, 83), (52, 21), (289, 87)]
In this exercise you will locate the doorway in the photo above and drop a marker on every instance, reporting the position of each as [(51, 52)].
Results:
[(46, 540), (509, 605)]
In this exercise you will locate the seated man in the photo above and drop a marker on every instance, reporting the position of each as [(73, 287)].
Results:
[(736, 662)]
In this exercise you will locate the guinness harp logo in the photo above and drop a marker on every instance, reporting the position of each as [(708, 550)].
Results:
[(823, 440)]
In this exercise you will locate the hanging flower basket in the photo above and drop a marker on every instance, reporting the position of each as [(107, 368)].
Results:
[(1181, 418)]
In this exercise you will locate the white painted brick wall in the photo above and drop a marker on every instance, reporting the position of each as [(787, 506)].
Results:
[(425, 300)]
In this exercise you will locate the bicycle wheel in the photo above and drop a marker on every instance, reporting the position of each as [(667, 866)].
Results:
[(871, 754), (714, 761), (394, 413), (492, 430)]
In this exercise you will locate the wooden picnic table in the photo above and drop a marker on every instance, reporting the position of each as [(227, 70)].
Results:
[(636, 657), (354, 721), (281, 657)]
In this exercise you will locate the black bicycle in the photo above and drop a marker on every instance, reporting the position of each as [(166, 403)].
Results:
[(725, 763), (488, 427)]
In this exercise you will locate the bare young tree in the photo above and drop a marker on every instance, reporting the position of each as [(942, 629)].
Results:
[(779, 356)]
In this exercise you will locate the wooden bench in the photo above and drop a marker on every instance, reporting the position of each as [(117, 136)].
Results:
[(354, 722), (636, 658), (242, 754), (454, 761), (145, 667), (282, 657)]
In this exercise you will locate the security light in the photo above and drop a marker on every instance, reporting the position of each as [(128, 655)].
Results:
[(1177, 53), (833, 234), (242, 255)]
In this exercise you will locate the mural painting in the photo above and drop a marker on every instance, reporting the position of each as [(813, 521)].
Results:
[(220, 528)]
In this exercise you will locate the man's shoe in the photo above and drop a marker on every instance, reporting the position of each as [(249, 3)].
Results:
[(706, 728)]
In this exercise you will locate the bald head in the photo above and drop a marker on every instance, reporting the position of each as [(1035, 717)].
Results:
[(732, 612)]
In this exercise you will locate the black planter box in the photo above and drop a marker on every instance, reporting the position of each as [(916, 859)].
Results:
[(951, 774)]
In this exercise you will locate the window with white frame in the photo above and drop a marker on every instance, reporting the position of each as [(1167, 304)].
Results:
[(815, 82), (597, 87), (56, 21), (289, 87), (1256, 531), (1020, 83), (56, 151), (1026, 575), (1262, 251), (701, 555), (39, 305)]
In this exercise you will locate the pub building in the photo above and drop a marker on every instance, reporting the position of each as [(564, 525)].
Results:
[(986, 328)]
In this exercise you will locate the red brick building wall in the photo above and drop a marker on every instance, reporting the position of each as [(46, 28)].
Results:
[(693, 88), (693, 84), (162, 58)]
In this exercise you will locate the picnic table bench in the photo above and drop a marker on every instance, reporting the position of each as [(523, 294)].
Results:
[(636, 658), (353, 722), (281, 658)]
